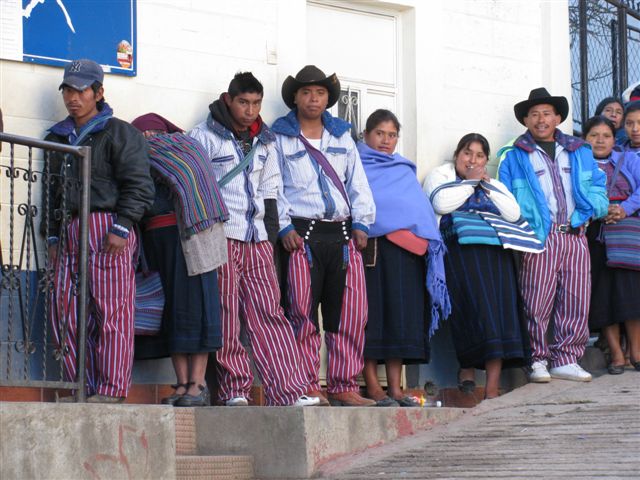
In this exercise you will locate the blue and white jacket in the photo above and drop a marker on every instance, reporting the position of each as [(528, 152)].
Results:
[(308, 192), (244, 195), (587, 180)]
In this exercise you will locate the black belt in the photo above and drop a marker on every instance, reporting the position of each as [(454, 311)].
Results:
[(320, 230), (568, 229)]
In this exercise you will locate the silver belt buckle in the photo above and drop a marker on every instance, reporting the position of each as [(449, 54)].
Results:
[(563, 228)]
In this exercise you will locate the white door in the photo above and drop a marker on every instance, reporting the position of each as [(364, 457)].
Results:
[(361, 46)]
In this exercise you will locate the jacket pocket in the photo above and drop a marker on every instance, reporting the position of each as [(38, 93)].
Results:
[(301, 172), (222, 165), (225, 158)]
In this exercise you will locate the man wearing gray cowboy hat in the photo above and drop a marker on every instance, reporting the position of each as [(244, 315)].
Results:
[(325, 214), (560, 188)]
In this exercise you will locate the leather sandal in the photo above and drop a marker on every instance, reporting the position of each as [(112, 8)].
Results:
[(173, 398), (203, 399)]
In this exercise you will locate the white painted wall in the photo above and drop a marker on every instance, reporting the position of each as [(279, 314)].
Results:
[(464, 64)]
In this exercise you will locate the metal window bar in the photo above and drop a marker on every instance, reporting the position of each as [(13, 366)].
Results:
[(605, 52), (26, 307)]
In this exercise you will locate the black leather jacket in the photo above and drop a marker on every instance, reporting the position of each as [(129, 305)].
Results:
[(120, 176)]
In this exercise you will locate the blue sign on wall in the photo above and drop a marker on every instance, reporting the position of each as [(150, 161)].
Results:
[(57, 31)]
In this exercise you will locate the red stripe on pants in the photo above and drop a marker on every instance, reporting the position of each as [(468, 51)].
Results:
[(249, 291), (557, 282), (110, 311), (344, 348)]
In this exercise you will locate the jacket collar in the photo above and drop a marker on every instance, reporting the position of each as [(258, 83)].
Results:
[(568, 142), (290, 127), (67, 126), (265, 135)]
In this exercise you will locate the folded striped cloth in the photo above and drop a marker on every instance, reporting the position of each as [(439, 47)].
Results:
[(182, 163), (472, 229), (516, 235)]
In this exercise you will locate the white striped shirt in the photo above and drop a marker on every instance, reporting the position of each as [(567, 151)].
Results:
[(245, 194), (541, 164), (310, 193)]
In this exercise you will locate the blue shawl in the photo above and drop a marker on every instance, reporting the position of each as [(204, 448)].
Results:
[(401, 205)]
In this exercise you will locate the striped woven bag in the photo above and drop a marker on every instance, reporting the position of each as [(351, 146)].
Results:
[(622, 242), (149, 303)]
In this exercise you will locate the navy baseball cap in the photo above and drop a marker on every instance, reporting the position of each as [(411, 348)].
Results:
[(81, 74)]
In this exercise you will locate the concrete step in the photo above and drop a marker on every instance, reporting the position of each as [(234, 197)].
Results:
[(186, 440), (219, 467)]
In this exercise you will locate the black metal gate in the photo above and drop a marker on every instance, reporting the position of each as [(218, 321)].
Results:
[(28, 356), (605, 52)]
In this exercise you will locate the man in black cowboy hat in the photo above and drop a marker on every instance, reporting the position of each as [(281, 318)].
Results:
[(324, 219), (559, 188)]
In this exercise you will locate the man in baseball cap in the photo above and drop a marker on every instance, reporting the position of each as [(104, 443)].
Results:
[(81, 74), (121, 190)]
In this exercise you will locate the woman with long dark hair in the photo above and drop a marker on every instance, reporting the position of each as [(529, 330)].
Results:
[(487, 324)]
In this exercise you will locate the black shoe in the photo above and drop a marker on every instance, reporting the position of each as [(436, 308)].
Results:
[(615, 369), (203, 399), (173, 398), (466, 386)]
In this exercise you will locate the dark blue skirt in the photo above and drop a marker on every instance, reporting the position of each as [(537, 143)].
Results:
[(487, 320), (398, 324), (191, 318), (614, 297)]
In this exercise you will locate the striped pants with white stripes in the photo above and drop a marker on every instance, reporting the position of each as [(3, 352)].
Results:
[(345, 347), (557, 282), (249, 292), (110, 316)]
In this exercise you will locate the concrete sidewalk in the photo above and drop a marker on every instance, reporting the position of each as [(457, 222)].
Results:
[(558, 430)]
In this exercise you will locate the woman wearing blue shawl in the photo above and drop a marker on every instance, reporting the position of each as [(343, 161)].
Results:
[(487, 323), (404, 259)]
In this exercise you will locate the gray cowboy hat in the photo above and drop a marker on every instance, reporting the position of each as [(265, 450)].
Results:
[(540, 96), (310, 75)]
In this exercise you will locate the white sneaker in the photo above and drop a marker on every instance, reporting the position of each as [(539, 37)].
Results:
[(539, 373), (237, 402), (305, 401), (572, 371)]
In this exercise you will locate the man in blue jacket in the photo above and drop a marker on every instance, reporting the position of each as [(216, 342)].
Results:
[(559, 187)]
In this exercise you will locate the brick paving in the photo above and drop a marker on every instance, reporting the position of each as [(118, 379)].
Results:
[(558, 430)]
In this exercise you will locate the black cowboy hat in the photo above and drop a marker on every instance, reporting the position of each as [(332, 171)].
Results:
[(540, 96), (310, 75)]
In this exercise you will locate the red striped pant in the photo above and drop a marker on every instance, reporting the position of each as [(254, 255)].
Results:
[(111, 288), (557, 282), (344, 348), (249, 291)]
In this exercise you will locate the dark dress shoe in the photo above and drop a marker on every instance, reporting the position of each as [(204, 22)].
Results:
[(173, 398), (387, 401), (615, 369), (203, 399), (466, 386)]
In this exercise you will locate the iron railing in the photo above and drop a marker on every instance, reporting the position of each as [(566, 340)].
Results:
[(605, 52), (28, 356)]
